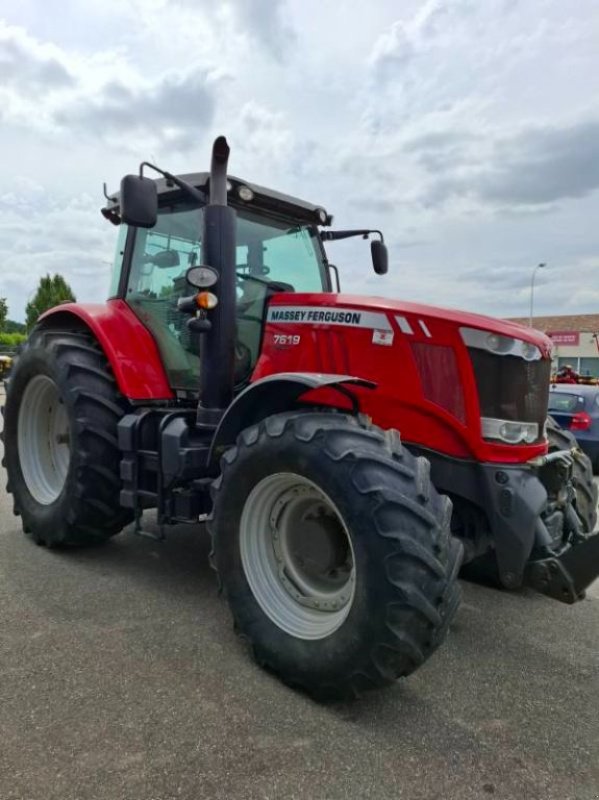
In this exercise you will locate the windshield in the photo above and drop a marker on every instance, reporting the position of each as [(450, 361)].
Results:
[(267, 249), (280, 252)]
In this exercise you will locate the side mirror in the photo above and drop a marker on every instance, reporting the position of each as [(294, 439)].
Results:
[(139, 201), (380, 257)]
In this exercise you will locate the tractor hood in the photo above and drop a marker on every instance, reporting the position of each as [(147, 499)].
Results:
[(408, 315)]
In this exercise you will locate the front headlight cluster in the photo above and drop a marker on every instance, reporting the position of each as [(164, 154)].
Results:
[(509, 432), (501, 345)]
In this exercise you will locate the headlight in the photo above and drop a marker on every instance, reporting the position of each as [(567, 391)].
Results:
[(502, 345), (529, 351), (509, 432)]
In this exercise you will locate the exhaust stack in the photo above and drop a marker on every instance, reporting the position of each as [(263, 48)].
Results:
[(217, 349), (218, 172)]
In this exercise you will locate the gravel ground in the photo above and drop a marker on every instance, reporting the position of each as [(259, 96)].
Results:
[(121, 679)]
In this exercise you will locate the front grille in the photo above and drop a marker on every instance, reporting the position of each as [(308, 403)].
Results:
[(511, 388), (440, 377)]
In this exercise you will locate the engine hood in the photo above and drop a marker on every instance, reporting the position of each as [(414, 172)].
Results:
[(418, 311)]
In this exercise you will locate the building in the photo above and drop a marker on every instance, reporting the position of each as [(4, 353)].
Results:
[(575, 340)]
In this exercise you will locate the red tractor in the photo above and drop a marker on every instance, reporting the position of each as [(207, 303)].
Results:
[(226, 380)]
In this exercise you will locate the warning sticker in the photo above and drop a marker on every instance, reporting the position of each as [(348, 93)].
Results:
[(382, 337), (312, 315)]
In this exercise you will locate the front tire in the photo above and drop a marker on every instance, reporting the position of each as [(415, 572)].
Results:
[(334, 551), (60, 440), (582, 477)]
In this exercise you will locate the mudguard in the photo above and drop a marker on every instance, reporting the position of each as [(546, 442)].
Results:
[(127, 343), (273, 395)]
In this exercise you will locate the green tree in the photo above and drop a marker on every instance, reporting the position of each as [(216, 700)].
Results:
[(51, 292), (3, 312), (10, 326)]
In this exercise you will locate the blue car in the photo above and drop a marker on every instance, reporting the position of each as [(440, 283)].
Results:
[(576, 408)]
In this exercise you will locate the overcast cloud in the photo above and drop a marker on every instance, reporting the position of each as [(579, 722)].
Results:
[(467, 131)]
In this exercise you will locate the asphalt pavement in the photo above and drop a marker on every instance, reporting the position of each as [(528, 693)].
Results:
[(121, 679)]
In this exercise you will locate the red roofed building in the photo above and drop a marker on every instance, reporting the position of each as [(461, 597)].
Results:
[(575, 340)]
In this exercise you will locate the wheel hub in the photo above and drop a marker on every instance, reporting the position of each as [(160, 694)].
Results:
[(311, 549), (297, 556), (43, 440)]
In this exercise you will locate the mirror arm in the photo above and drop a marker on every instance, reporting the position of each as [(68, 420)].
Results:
[(332, 236), (187, 187)]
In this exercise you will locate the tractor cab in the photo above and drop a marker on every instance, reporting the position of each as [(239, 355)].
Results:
[(277, 249)]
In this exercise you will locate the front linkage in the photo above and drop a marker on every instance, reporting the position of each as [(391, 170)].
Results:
[(562, 570), (525, 524)]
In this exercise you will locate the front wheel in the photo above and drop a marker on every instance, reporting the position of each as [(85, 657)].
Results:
[(334, 551), (585, 502)]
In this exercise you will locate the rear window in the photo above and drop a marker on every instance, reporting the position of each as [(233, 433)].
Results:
[(559, 401)]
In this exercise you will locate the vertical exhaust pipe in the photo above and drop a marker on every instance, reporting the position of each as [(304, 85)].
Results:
[(218, 172), (217, 349)]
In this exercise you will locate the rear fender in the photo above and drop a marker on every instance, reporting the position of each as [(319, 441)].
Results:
[(273, 395), (126, 342)]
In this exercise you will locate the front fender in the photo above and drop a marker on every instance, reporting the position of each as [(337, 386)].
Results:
[(273, 395), (126, 342)]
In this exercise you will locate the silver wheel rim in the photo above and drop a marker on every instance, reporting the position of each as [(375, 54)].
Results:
[(43, 440), (297, 556)]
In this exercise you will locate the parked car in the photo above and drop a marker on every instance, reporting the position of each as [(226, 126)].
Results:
[(576, 407)]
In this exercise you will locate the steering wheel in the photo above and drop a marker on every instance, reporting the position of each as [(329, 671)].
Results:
[(246, 276)]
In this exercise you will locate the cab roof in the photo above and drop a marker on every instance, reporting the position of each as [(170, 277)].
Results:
[(265, 200)]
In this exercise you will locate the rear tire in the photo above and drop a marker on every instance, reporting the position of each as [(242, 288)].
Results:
[(381, 521), (62, 390)]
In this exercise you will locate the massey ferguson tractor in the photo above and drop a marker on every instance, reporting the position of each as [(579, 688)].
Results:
[(349, 454)]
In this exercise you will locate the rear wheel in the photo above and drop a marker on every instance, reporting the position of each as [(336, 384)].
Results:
[(334, 551), (60, 440)]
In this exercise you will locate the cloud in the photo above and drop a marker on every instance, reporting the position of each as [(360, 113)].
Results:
[(102, 97), (542, 165), (528, 171), (42, 232), (29, 67), (266, 23), (405, 40), (174, 110)]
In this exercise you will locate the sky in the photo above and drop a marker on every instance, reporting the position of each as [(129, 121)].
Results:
[(467, 130)]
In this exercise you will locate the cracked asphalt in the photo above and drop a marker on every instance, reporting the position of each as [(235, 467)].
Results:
[(121, 679)]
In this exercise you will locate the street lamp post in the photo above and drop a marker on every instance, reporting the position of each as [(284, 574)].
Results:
[(532, 290)]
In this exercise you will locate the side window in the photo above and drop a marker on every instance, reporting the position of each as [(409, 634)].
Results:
[(117, 265), (163, 253), (161, 256)]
